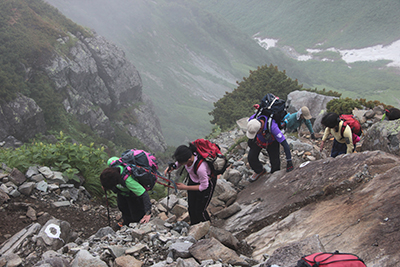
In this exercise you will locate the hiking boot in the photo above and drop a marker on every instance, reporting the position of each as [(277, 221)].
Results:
[(118, 226), (255, 176)]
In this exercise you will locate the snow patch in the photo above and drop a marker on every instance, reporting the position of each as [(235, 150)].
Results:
[(379, 52)]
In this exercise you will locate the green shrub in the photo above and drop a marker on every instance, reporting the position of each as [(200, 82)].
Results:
[(64, 156), (346, 105), (323, 92), (342, 106), (239, 103)]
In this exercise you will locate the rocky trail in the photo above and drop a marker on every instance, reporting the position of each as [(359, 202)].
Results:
[(349, 203)]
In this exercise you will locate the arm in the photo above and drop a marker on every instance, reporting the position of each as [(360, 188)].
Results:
[(348, 136), (309, 126), (147, 207), (286, 148), (201, 177), (182, 186), (276, 132), (326, 134)]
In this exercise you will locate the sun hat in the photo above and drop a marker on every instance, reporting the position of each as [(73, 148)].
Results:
[(252, 128), (306, 113)]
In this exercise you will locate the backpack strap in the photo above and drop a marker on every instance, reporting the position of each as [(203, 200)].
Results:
[(343, 128), (197, 164)]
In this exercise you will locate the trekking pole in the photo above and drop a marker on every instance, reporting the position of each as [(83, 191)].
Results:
[(108, 209), (169, 183)]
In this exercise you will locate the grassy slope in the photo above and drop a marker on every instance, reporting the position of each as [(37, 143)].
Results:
[(304, 23), (186, 57), (341, 24)]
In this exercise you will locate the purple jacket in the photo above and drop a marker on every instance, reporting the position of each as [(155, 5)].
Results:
[(263, 138)]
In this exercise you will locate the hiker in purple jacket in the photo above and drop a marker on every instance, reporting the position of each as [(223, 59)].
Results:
[(264, 133)]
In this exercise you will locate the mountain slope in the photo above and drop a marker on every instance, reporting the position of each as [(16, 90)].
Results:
[(322, 25), (304, 24), (186, 57), (78, 81)]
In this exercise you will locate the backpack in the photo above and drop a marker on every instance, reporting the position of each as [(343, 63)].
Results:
[(210, 152), (353, 123), (273, 108), (139, 164), (335, 259)]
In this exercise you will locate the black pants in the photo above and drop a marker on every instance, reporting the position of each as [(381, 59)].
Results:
[(339, 149), (198, 201), (132, 208), (273, 153)]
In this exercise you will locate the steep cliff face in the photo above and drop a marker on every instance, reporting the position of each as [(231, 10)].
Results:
[(102, 89)]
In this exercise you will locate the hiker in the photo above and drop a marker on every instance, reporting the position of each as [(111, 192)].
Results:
[(260, 137), (293, 121), (132, 198), (391, 114), (343, 139), (201, 182)]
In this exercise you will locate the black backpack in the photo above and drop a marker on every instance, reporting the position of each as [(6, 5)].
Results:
[(273, 108)]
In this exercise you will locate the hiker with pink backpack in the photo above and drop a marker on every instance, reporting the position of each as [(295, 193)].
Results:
[(346, 130), (130, 177)]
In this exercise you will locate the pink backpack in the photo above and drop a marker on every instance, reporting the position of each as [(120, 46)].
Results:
[(139, 164)]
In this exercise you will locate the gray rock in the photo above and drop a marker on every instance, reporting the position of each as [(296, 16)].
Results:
[(26, 188), (54, 234), (17, 177), (229, 211), (384, 136), (181, 249), (291, 253), (21, 118), (212, 249), (85, 259)]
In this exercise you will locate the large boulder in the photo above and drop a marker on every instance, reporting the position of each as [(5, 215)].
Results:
[(316, 103), (383, 136)]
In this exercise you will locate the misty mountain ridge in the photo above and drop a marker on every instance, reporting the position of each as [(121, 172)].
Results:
[(190, 53), (318, 27), (191, 57)]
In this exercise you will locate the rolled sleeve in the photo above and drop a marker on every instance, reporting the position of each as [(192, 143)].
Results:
[(202, 175)]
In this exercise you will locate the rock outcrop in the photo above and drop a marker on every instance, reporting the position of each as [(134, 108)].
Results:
[(384, 136), (316, 103), (20, 120), (98, 86)]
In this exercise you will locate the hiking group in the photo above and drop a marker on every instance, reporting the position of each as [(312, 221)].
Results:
[(136, 171)]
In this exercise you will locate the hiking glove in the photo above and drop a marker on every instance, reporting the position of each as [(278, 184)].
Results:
[(289, 166), (313, 136)]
